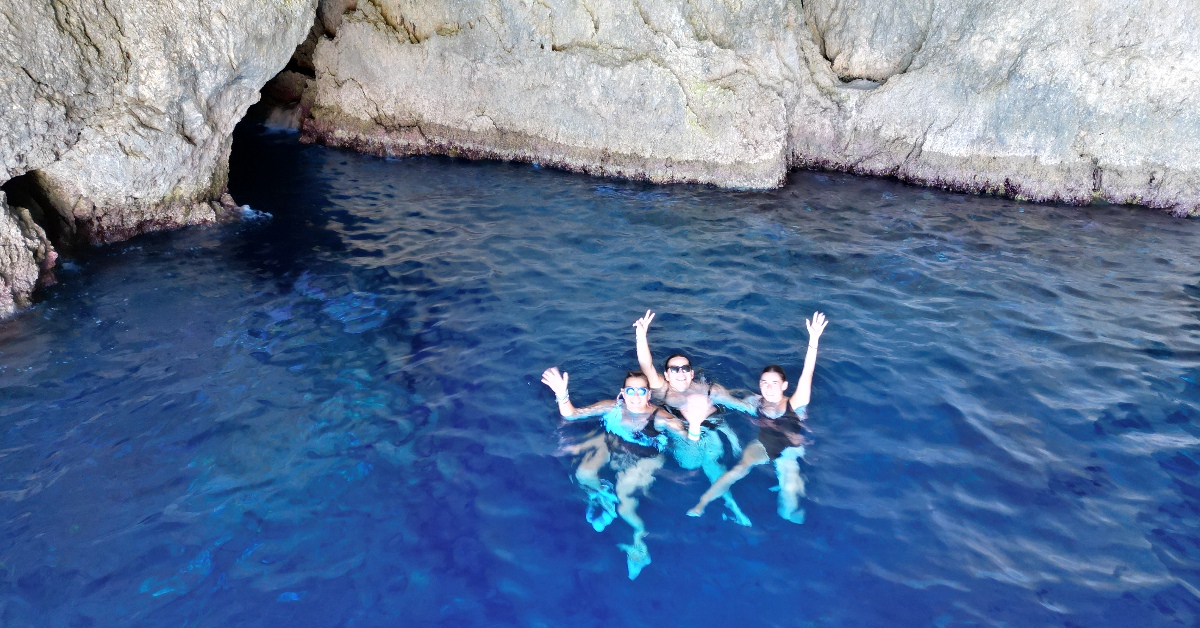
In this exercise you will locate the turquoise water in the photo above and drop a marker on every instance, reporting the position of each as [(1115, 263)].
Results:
[(334, 416)]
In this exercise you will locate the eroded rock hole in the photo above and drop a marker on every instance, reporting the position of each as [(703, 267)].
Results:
[(27, 257), (24, 192), (872, 41), (286, 98)]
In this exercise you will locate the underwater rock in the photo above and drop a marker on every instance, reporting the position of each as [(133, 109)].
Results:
[(1033, 100)]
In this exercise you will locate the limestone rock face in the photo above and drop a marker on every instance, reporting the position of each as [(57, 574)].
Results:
[(25, 254), (121, 111), (134, 103), (1032, 99), (870, 40), (1041, 100), (665, 91)]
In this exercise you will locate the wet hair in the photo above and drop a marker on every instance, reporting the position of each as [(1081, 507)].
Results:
[(775, 368), (637, 374), (672, 357)]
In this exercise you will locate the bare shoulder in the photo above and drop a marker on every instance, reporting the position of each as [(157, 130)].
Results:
[(599, 407)]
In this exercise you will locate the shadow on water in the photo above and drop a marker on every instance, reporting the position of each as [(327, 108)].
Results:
[(334, 416)]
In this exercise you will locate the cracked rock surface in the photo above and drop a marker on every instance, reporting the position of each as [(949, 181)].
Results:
[(25, 253), (655, 90), (122, 112), (1034, 99)]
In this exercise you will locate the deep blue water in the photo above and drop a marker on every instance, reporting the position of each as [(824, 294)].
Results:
[(333, 417)]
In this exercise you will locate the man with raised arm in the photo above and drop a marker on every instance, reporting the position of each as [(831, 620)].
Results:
[(781, 432), (695, 402), (632, 445)]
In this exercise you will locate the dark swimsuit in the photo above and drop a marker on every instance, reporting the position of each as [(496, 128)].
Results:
[(647, 442), (778, 433), (712, 422)]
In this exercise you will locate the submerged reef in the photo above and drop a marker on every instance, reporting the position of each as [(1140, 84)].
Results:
[(117, 115)]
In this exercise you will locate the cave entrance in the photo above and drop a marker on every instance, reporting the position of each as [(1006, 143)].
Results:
[(25, 191)]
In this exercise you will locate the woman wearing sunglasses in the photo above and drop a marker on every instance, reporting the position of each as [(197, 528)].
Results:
[(632, 444), (781, 432), (695, 402)]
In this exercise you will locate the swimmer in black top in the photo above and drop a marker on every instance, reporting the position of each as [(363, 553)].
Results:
[(695, 402), (632, 445), (781, 435)]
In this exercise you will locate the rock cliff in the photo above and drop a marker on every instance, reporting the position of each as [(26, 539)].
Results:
[(118, 115), (1036, 100)]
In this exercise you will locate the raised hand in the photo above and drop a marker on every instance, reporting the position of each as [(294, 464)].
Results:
[(816, 325), (556, 381), (642, 324)]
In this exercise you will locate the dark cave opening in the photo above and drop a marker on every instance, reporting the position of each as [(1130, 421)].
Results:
[(25, 191)]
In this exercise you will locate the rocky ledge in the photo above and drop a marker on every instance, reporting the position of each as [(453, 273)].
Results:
[(116, 116), (1035, 100)]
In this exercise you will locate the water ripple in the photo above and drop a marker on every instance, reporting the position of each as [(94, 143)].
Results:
[(335, 416)]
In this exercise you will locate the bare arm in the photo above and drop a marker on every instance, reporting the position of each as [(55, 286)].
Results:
[(646, 362), (804, 387), (751, 404), (596, 409), (665, 420), (721, 397), (558, 383)]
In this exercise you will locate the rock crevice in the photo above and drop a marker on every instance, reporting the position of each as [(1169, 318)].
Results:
[(26, 256), (121, 113)]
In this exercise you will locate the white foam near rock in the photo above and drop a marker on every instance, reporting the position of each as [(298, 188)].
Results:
[(249, 214)]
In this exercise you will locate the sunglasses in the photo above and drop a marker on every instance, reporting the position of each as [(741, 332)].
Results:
[(639, 391), (686, 368)]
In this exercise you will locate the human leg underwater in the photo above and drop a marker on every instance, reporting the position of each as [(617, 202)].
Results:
[(753, 455), (791, 485), (602, 500), (714, 470), (706, 454), (637, 477)]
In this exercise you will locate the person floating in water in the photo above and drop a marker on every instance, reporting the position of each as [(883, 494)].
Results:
[(696, 403), (632, 445), (781, 432)]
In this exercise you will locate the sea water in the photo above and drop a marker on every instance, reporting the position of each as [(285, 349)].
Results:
[(331, 413)]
